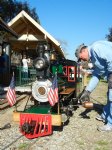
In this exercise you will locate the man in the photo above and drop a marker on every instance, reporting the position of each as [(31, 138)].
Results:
[(100, 55), (25, 62)]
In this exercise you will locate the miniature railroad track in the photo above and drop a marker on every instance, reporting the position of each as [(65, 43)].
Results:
[(4, 103), (12, 146), (7, 146), (13, 131)]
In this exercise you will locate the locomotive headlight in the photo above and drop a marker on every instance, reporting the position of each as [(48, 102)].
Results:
[(39, 63)]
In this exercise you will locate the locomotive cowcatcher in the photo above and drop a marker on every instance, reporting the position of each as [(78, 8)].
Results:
[(39, 115)]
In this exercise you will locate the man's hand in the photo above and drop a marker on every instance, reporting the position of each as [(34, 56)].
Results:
[(85, 96)]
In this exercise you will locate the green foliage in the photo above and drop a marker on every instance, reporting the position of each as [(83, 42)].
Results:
[(10, 8)]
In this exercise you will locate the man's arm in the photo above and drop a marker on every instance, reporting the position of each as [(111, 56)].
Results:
[(92, 83), (90, 87)]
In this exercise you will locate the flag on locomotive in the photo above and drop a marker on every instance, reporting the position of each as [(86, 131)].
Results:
[(11, 94), (53, 92)]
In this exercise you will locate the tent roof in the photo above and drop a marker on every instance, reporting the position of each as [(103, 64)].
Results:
[(30, 33)]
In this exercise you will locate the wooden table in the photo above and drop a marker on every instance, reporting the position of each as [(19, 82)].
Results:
[(67, 91)]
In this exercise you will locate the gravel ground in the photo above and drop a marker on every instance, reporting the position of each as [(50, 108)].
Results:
[(80, 134)]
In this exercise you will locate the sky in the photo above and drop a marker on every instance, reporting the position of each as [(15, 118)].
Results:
[(74, 21)]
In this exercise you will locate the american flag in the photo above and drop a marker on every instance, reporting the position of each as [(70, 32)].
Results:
[(53, 92), (11, 94)]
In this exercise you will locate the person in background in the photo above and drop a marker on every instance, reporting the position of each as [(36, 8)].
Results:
[(100, 55), (25, 62)]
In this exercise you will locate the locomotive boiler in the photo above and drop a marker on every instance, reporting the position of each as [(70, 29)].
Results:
[(40, 116)]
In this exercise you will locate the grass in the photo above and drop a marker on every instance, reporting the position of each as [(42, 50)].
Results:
[(103, 148), (101, 142), (23, 146), (102, 145)]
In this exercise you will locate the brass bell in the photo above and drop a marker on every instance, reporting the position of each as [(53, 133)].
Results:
[(53, 57)]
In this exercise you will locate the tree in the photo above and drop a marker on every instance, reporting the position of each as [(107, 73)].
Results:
[(109, 36), (64, 46), (10, 8)]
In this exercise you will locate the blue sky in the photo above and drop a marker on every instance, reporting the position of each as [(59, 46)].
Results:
[(74, 21)]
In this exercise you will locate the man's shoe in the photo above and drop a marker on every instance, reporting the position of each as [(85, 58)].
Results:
[(104, 128), (100, 118)]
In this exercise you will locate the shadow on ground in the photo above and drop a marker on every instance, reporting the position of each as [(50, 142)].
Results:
[(96, 107)]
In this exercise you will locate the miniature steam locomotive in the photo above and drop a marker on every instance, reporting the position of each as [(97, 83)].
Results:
[(38, 118)]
